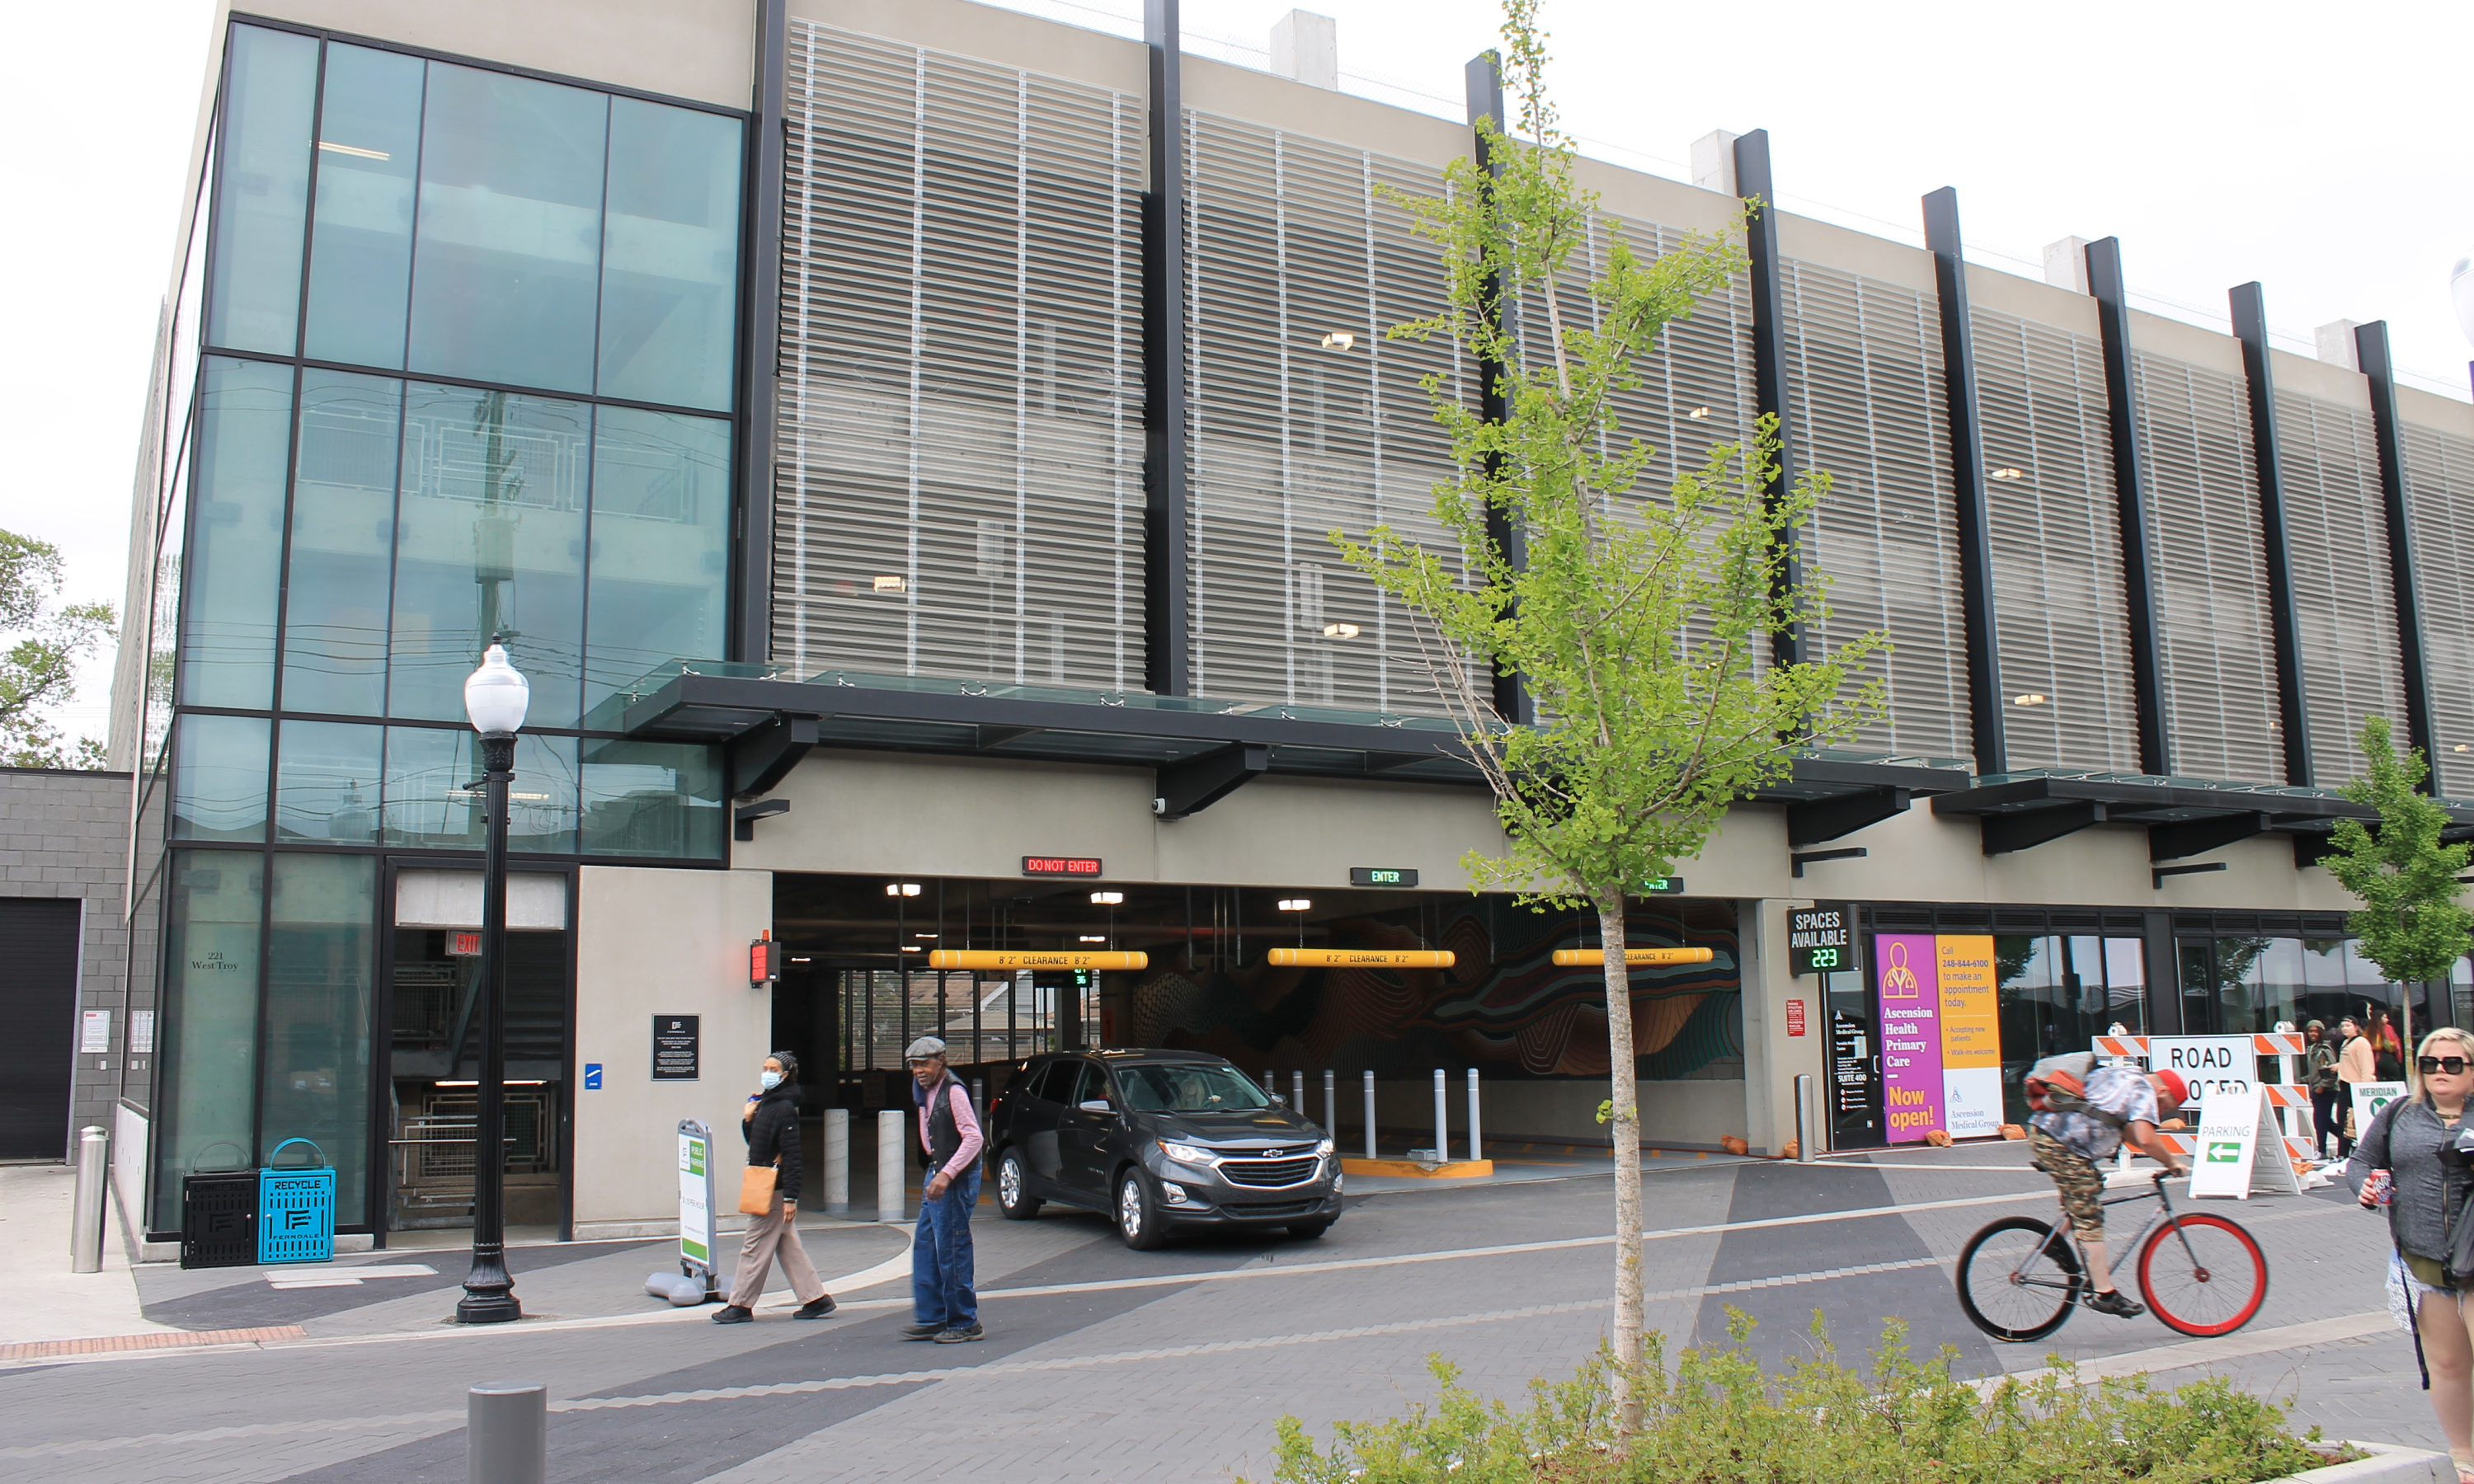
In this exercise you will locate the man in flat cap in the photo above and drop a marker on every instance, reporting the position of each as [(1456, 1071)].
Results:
[(942, 1301)]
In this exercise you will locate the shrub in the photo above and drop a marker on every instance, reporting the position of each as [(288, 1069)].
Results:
[(1716, 1418)]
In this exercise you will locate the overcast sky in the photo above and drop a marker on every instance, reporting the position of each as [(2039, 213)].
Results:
[(2320, 150)]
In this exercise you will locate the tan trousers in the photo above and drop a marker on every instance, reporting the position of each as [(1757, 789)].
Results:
[(770, 1240)]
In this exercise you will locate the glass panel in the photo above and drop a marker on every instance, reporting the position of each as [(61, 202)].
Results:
[(429, 803), (660, 544), (2199, 988), (209, 1054), (490, 536), (541, 801), (261, 203), (669, 288), (343, 521), (2283, 993), (326, 782), (360, 250), (509, 245), (653, 799), (219, 777), (2126, 984), (2238, 986), (318, 980), (235, 554)]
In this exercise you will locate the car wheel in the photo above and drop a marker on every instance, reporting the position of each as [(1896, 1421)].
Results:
[(1138, 1218), (1017, 1202), (1308, 1231)]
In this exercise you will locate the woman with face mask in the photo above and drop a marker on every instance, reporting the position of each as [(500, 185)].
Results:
[(771, 1123)]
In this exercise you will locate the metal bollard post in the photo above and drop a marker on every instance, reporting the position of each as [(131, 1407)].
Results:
[(1330, 1106), (1298, 1091), (1370, 1115), (891, 1126), (1804, 1121), (1477, 1146), (85, 1220), (506, 1433), (1442, 1125), (837, 1162), (1271, 1083)]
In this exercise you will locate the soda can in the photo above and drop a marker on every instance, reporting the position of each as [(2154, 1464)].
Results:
[(2379, 1188)]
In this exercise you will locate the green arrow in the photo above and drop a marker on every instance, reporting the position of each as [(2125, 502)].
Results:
[(2224, 1152)]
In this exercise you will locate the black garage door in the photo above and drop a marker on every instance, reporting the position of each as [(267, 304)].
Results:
[(39, 964)]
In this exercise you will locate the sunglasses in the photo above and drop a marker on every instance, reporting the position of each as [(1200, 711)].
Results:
[(2453, 1065)]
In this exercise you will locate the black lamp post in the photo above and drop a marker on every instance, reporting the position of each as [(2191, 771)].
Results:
[(494, 699)]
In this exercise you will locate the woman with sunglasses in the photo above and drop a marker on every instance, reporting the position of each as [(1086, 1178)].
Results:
[(2425, 1195)]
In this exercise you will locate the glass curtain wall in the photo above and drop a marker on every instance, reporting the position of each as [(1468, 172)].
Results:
[(2236, 985), (466, 367)]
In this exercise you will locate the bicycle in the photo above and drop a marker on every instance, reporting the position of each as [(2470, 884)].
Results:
[(2019, 1279)]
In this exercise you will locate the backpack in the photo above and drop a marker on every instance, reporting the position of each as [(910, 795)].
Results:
[(2058, 1083)]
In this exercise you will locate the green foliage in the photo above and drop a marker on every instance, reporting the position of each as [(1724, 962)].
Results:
[(39, 670), (2412, 923), (1717, 1417)]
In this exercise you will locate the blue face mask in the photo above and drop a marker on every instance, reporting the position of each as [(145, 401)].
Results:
[(770, 1081)]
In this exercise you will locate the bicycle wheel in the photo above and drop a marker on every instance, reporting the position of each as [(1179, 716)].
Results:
[(2016, 1281), (2213, 1285)]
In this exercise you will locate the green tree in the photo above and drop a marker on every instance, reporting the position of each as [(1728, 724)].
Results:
[(1638, 623), (38, 669), (2411, 923)]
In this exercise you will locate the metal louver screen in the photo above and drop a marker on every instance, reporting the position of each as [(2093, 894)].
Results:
[(2057, 583), (1292, 431), (2341, 596), (1864, 393), (2439, 492), (2215, 642), (959, 486)]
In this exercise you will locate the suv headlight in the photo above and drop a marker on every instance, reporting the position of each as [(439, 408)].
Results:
[(1325, 1148), (1189, 1154)]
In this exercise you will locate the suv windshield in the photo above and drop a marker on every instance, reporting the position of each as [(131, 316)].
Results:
[(1189, 1090)]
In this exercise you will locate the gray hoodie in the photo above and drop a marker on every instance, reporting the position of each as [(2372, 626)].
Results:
[(2406, 1139)]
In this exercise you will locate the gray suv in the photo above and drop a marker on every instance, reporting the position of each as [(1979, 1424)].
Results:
[(1159, 1140)]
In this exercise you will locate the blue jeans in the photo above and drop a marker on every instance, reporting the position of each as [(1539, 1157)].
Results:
[(941, 1263)]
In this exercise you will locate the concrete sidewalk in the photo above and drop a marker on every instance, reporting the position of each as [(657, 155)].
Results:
[(46, 1300)]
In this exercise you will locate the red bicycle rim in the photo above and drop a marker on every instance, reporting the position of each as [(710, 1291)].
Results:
[(2234, 1289)]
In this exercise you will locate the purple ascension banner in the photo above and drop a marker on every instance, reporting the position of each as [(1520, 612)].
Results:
[(1907, 974)]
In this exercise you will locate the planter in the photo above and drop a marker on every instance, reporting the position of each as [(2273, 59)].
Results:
[(2386, 1465)]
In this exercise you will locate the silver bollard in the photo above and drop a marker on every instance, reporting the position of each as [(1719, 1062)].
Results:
[(1370, 1115), (506, 1433), (837, 1162), (1477, 1145), (890, 1126), (1271, 1083), (1298, 1091), (1330, 1106), (1442, 1125), (1804, 1121), (85, 1219)]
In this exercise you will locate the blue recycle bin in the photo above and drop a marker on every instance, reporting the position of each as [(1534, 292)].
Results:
[(295, 1208)]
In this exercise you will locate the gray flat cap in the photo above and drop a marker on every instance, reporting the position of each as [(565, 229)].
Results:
[(924, 1046)]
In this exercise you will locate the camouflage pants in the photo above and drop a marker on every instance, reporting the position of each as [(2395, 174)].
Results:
[(2081, 1183)]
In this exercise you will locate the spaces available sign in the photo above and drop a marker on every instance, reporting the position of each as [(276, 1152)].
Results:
[(1941, 1035)]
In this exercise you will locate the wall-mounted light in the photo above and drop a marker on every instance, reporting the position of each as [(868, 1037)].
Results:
[(1339, 340), (891, 582), (1106, 898), (2463, 747), (901, 888), (2031, 697), (1339, 631), (1698, 412), (2009, 473)]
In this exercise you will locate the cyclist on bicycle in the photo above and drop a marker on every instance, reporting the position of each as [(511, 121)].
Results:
[(2075, 1130)]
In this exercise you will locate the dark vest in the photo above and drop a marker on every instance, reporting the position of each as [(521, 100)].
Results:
[(944, 1135)]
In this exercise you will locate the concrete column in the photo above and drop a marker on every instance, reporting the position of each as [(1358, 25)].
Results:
[(1772, 1057)]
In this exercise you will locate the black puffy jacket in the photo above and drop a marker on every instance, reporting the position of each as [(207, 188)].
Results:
[(773, 1137)]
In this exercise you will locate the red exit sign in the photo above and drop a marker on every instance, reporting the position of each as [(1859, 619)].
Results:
[(1061, 865), (462, 944)]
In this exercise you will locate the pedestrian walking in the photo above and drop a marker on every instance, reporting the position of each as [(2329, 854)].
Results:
[(943, 1302), (2353, 1065), (2407, 1160), (771, 1121), (2387, 1050), (2319, 1075)]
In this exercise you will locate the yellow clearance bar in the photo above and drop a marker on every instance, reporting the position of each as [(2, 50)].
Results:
[(1361, 958), (983, 958), (1566, 958)]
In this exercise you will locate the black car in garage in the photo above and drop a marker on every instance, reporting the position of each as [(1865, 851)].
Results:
[(1159, 1140)]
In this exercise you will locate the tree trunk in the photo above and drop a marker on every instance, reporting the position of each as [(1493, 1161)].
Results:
[(1625, 1127)]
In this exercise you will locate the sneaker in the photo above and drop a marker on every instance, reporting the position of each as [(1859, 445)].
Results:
[(2114, 1301), (960, 1334), (815, 1308), (732, 1314), (923, 1331)]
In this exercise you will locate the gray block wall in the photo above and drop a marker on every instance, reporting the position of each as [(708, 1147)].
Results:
[(66, 835)]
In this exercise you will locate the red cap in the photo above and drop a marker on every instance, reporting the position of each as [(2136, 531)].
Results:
[(2172, 1089)]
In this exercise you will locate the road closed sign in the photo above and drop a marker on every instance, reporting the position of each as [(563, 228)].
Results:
[(2214, 1065)]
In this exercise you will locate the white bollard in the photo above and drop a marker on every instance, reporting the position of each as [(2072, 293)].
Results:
[(1370, 1115), (1271, 1083), (837, 1162), (1442, 1124), (85, 1220), (1298, 1091), (1477, 1148), (1330, 1106), (891, 1126), (506, 1433)]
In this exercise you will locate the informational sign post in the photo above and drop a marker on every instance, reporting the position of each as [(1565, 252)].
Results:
[(2214, 1065), (677, 1047), (695, 1195), (1971, 1035), (1909, 988), (2369, 1097), (2239, 1151), (1820, 939)]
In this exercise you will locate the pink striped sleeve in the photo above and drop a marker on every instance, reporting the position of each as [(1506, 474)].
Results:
[(966, 1122)]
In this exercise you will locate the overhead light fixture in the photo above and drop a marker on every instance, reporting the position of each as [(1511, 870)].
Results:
[(912, 948), (2463, 748), (1091, 938), (353, 149), (923, 935), (901, 888), (2031, 697), (1697, 414), (1339, 340), (890, 583), (2009, 473), (1106, 898), (1295, 904), (796, 959), (1339, 631)]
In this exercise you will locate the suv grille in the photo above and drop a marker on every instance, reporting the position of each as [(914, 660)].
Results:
[(1269, 1172)]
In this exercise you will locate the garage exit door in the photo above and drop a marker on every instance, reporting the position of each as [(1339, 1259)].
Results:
[(38, 962)]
